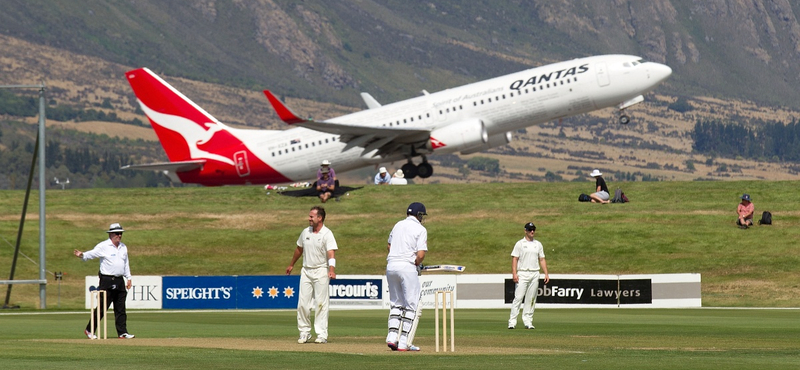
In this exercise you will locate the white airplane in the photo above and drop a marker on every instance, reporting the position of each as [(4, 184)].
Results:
[(465, 119)]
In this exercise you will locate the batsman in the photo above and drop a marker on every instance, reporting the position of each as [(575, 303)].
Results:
[(408, 243)]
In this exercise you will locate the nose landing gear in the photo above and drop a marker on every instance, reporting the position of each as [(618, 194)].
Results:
[(623, 117)]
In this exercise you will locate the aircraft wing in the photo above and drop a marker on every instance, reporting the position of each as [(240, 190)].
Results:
[(385, 139), (181, 166)]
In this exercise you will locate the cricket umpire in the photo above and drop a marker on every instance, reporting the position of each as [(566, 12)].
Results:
[(408, 243), (114, 266), (527, 259)]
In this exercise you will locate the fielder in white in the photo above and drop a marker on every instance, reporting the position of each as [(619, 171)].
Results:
[(526, 260), (408, 243), (318, 247)]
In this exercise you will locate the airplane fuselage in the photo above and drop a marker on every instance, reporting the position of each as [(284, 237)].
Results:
[(465, 119)]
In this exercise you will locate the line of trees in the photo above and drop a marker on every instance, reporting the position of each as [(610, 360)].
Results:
[(87, 160), (16, 105), (763, 140)]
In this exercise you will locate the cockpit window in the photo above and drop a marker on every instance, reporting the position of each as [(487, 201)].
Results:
[(634, 63)]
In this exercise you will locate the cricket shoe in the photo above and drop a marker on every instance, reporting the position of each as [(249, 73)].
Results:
[(529, 327), (392, 345), (126, 336), (411, 348), (304, 338), (89, 334), (321, 340)]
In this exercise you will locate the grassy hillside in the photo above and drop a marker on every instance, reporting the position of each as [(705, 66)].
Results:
[(667, 227)]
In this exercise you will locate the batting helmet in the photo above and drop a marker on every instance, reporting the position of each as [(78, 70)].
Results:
[(416, 209)]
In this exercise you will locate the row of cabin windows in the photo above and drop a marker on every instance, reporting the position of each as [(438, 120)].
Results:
[(300, 147), (532, 89), (442, 111), (489, 100), (406, 120), (447, 110)]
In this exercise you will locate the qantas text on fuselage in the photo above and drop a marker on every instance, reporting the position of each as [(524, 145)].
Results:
[(465, 119)]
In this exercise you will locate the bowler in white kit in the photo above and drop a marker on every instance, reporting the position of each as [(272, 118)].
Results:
[(317, 246)]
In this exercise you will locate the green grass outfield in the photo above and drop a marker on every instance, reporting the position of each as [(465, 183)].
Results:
[(668, 227), (563, 339)]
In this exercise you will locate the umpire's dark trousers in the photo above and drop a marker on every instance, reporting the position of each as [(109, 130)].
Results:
[(115, 289)]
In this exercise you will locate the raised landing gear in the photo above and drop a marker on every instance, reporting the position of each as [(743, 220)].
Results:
[(423, 170)]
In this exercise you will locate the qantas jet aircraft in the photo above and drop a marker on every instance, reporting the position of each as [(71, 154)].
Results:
[(466, 119)]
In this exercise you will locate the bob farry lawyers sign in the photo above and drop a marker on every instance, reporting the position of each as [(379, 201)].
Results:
[(584, 291)]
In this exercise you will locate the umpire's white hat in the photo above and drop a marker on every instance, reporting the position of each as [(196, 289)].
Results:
[(115, 228)]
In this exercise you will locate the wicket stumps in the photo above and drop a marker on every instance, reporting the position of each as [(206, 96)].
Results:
[(446, 294), (96, 295)]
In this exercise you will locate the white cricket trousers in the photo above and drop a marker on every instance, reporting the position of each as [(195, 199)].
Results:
[(404, 288), (527, 287), (313, 281)]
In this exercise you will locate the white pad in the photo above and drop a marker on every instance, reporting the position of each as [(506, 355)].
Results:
[(407, 323), (414, 325), (394, 324)]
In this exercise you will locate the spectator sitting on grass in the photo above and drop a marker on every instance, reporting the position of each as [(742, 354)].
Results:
[(601, 189), (398, 178), (745, 211), (382, 178)]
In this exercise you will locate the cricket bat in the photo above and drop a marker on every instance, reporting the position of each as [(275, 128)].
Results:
[(446, 268)]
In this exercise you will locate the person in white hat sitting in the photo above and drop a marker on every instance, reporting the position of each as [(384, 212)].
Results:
[(601, 189), (325, 186), (331, 173), (398, 178), (382, 178)]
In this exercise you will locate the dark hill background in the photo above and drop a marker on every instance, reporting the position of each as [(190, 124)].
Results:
[(735, 62), (330, 50)]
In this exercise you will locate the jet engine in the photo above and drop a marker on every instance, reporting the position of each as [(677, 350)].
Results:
[(494, 141), (459, 136)]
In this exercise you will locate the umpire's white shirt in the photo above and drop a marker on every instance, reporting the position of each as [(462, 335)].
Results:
[(528, 253), (411, 238), (113, 260), (316, 246)]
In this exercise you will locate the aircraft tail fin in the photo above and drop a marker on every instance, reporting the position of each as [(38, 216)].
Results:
[(180, 124)]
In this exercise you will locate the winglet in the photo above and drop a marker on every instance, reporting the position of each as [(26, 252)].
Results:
[(284, 113)]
